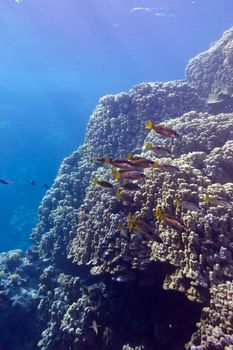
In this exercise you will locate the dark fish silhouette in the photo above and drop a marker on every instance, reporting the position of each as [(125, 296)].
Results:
[(32, 182), (46, 186), (4, 182)]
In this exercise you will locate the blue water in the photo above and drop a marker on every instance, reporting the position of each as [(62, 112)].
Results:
[(58, 57)]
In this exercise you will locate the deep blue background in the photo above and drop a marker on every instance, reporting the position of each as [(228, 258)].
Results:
[(57, 57)]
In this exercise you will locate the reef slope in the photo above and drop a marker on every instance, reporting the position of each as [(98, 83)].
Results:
[(102, 287)]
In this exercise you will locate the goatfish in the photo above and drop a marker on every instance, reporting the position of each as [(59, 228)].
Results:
[(166, 167), (102, 183), (121, 163), (131, 157), (130, 186), (217, 201), (162, 129), (161, 151), (128, 174), (187, 205), (138, 226), (4, 182), (171, 220), (124, 196), (105, 160), (143, 163)]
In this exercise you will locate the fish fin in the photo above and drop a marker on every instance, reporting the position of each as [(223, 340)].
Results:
[(117, 175), (177, 202), (155, 165), (148, 146), (95, 181), (206, 198), (158, 213), (118, 193), (149, 125)]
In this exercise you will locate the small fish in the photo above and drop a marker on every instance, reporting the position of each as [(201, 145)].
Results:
[(142, 228), (138, 226), (32, 182), (102, 183), (162, 129), (105, 160), (130, 186), (167, 168), (4, 182), (121, 163), (131, 157), (217, 201), (171, 220), (95, 327), (83, 214), (187, 205), (124, 196), (143, 163), (161, 151), (128, 174), (46, 186)]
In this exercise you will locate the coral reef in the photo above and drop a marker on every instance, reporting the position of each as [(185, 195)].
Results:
[(211, 74), (19, 279), (196, 262), (102, 285)]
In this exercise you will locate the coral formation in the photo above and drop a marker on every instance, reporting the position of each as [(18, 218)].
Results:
[(197, 262), (104, 285), (211, 73), (19, 279)]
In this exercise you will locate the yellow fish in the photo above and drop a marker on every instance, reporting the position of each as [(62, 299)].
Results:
[(162, 129), (102, 183), (171, 220), (187, 205), (128, 174), (217, 201)]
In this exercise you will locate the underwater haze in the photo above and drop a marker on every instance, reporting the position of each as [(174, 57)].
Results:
[(58, 57)]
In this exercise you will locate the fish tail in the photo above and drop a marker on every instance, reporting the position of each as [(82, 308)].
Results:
[(116, 174), (158, 213), (106, 160), (206, 198), (118, 193), (129, 156), (177, 202), (95, 181), (149, 125), (155, 165), (148, 146)]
